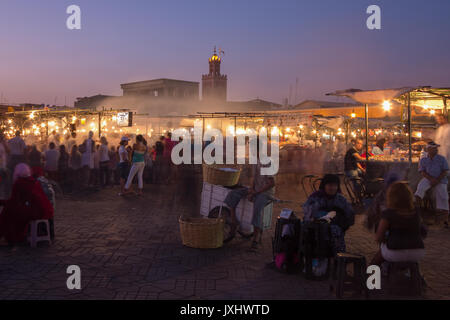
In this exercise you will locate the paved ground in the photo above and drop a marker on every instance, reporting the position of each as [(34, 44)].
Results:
[(130, 248)]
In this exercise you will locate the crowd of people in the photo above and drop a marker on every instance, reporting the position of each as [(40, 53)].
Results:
[(28, 176), (76, 164)]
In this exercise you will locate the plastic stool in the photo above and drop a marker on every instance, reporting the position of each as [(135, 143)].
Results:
[(34, 238), (415, 279), (357, 282)]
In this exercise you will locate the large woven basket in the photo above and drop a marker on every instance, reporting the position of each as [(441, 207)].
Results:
[(214, 175), (201, 233)]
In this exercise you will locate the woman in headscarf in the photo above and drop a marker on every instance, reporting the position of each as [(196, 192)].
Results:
[(27, 202), (329, 201)]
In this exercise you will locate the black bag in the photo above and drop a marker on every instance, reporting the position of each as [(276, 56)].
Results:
[(315, 243), (280, 243), (286, 241)]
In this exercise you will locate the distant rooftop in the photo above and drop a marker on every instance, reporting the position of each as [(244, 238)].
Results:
[(158, 80), (318, 104)]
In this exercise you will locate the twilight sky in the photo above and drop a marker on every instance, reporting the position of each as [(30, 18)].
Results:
[(267, 44)]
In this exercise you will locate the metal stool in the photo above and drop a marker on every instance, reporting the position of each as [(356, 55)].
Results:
[(345, 282), (414, 286), (34, 238)]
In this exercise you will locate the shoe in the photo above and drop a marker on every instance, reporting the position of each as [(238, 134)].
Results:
[(255, 245)]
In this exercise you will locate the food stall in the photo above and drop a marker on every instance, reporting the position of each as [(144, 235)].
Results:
[(422, 101)]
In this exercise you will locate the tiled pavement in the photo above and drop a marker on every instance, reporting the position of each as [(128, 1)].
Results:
[(130, 248)]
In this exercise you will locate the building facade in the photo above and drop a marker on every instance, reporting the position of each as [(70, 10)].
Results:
[(162, 88)]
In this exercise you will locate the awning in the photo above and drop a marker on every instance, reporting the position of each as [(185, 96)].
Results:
[(423, 96), (373, 96)]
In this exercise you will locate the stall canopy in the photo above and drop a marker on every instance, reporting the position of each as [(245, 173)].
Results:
[(423, 96), (372, 96)]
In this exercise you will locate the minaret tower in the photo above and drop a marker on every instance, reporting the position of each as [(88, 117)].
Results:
[(214, 84)]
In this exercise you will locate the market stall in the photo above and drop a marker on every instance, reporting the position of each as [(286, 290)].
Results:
[(424, 101)]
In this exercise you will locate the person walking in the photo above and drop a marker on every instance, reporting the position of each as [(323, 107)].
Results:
[(34, 157), (138, 164), (75, 167), (158, 168), (124, 163), (104, 162), (71, 141), (63, 166), (87, 149), (113, 163), (51, 162), (17, 151)]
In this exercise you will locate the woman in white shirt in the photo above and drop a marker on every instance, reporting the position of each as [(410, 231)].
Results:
[(104, 162)]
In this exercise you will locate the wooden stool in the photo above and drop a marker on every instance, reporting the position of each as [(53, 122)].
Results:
[(34, 238), (415, 279), (357, 282)]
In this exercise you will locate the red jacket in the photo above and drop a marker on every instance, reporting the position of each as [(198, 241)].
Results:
[(28, 202)]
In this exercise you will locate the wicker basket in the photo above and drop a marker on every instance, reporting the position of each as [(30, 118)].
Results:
[(213, 175), (201, 233)]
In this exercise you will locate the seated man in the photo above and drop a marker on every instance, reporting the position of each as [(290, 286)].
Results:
[(434, 169), (352, 163), (260, 194)]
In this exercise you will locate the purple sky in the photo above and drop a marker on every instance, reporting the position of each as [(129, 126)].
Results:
[(267, 44)]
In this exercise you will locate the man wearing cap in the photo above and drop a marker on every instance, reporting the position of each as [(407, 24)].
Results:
[(124, 163), (434, 169)]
